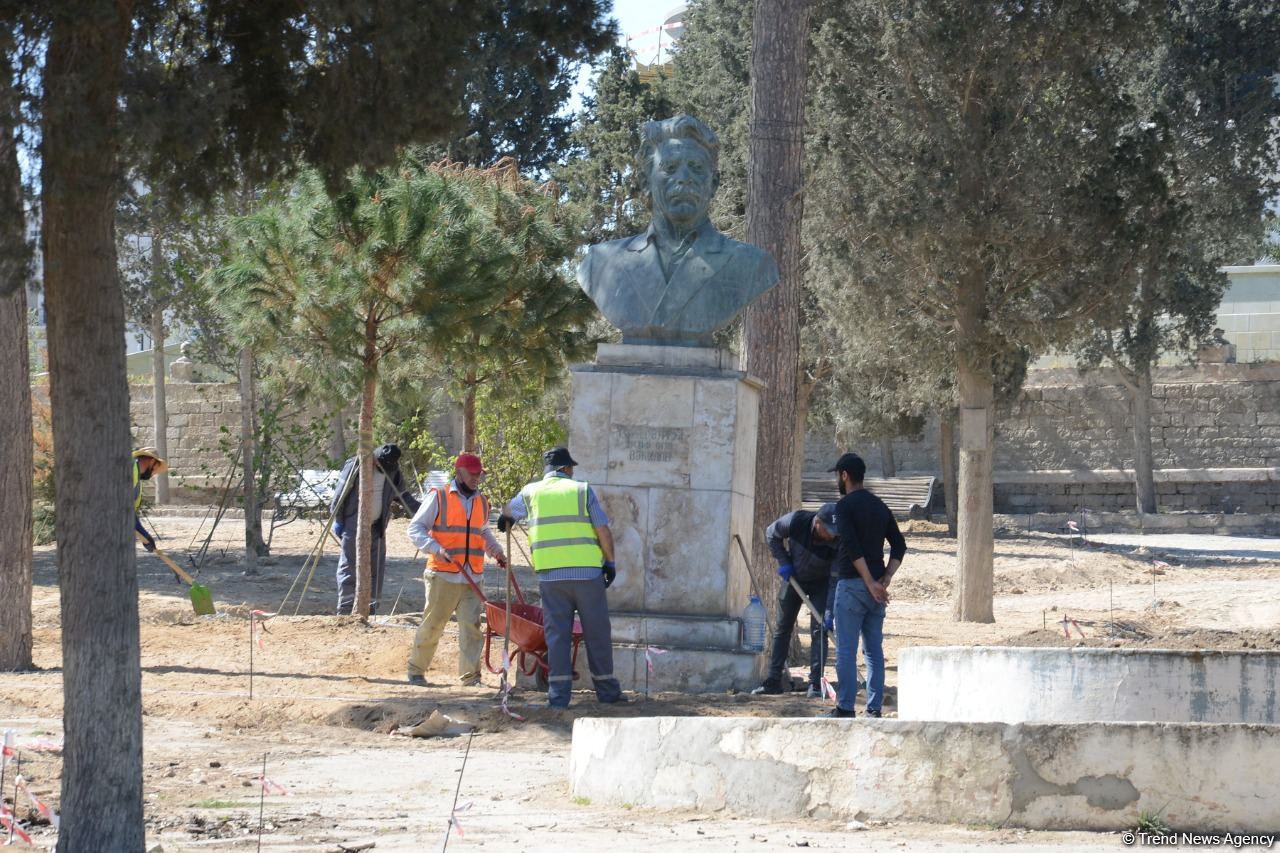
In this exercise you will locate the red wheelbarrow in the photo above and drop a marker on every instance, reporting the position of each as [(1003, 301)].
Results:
[(526, 632)]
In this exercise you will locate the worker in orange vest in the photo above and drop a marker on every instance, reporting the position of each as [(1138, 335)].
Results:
[(452, 527)]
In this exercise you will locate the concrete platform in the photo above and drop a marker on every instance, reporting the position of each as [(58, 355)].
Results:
[(1015, 685), (1095, 776)]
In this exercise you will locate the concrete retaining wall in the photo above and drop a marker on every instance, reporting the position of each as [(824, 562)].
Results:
[(1042, 776), (1014, 685)]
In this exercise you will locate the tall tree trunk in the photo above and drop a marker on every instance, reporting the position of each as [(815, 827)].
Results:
[(1143, 464), (15, 394), (947, 452), (976, 539), (15, 465), (775, 206), (469, 413), (157, 379), (886, 456), (364, 513), (101, 798), (248, 464)]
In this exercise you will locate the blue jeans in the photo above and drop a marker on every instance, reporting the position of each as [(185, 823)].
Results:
[(857, 614)]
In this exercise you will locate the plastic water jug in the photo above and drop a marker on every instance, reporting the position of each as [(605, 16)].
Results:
[(753, 626)]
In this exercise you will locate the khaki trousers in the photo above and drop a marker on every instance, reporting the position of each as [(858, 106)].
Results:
[(443, 600)]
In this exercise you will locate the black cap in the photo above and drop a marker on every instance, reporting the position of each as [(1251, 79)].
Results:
[(388, 455), (827, 515), (557, 457), (852, 464)]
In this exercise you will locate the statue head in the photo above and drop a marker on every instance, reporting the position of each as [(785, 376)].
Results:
[(679, 164)]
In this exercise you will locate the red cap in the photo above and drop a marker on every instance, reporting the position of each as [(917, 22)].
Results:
[(470, 462)]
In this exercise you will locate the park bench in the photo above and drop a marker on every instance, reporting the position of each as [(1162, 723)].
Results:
[(908, 497)]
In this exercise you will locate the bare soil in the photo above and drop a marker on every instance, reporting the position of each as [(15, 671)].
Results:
[(328, 691)]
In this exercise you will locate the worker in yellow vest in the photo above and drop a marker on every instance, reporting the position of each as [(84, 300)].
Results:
[(572, 551), (452, 528), (146, 464)]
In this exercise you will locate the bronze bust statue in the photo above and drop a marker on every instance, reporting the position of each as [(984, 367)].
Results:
[(681, 280)]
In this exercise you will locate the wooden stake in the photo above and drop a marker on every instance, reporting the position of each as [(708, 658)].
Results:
[(262, 798)]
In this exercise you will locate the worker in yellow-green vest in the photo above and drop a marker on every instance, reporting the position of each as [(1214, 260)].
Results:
[(146, 464), (572, 552)]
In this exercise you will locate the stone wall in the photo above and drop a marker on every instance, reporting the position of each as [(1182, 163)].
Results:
[(1066, 443), (1055, 776), (198, 412), (202, 414)]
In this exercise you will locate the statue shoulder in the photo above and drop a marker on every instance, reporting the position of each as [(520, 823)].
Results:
[(596, 259), (756, 261), (607, 249)]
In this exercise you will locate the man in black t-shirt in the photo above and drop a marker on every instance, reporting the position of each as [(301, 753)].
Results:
[(864, 524)]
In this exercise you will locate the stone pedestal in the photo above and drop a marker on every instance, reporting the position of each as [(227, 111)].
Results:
[(667, 438)]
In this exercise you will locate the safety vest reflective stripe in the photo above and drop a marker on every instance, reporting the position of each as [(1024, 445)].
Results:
[(555, 519), (463, 542), (561, 535), (559, 543)]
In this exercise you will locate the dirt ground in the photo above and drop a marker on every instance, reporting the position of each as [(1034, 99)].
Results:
[(327, 692)]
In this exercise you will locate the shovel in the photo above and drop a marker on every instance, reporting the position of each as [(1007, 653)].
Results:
[(201, 598)]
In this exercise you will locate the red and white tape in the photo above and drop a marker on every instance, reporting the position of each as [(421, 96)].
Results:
[(257, 618), (649, 652), (273, 788), (44, 810), (453, 818), (828, 692), (505, 693), (8, 821)]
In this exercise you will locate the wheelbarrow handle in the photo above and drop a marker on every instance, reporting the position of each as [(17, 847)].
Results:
[(466, 573)]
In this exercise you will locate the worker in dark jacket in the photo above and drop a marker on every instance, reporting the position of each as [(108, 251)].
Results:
[(388, 485), (804, 545), (864, 524)]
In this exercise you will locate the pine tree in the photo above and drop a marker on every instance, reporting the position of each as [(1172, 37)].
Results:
[(968, 168), (204, 95), (1205, 142)]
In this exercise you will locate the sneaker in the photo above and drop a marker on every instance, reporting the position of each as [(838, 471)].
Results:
[(871, 713), (473, 681), (621, 700), (839, 712), (814, 692), (769, 688), (557, 706), (416, 679)]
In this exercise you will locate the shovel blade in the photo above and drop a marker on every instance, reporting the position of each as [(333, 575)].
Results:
[(202, 600)]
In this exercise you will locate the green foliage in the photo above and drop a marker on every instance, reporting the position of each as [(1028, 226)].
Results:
[(1203, 143), (538, 316), (223, 93), (42, 523), (1152, 823), (712, 81), (341, 282), (512, 433), (944, 169), (516, 107)]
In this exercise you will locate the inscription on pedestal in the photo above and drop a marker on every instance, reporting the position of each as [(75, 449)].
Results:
[(652, 444)]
